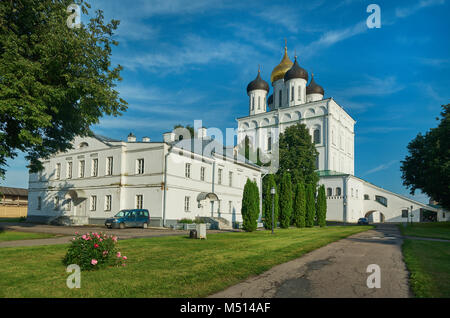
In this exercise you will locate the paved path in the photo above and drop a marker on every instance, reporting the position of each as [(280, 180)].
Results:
[(67, 232), (335, 270)]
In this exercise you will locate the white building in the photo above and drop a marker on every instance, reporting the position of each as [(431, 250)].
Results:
[(173, 179), (332, 130)]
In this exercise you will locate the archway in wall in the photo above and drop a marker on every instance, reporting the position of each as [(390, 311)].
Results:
[(375, 216)]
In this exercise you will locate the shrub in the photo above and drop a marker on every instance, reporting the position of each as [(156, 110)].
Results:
[(185, 221), (250, 206), (92, 251), (285, 201)]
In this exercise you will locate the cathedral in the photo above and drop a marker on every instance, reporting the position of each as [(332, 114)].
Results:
[(294, 100)]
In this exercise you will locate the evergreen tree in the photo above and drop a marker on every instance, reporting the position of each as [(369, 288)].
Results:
[(267, 203), (299, 210), (250, 206), (321, 207), (310, 206), (285, 201)]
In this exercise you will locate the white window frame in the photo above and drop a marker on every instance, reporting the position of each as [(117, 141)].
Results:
[(82, 168), (139, 201), (202, 173), (219, 176), (108, 202), (109, 166), (93, 203), (58, 171), (187, 170), (187, 204), (140, 166), (230, 178), (69, 170), (94, 171)]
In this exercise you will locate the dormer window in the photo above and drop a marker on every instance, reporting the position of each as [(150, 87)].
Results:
[(83, 145)]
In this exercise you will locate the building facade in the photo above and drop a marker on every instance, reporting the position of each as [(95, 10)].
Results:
[(13, 202), (172, 179), (332, 131)]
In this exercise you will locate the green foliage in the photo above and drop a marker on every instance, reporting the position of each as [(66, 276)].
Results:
[(299, 210), (250, 206), (185, 221), (269, 182), (310, 206), (285, 201), (92, 251), (427, 166), (321, 206), (297, 155), (55, 82)]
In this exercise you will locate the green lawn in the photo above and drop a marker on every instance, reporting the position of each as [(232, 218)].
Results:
[(433, 229), (429, 265), (15, 235), (163, 266)]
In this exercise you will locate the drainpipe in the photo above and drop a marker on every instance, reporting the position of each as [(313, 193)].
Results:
[(165, 184)]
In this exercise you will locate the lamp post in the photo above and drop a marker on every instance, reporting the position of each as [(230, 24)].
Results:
[(272, 191)]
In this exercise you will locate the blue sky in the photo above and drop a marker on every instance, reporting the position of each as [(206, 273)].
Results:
[(186, 60)]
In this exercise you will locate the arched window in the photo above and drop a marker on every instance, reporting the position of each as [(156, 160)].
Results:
[(299, 93), (253, 102), (292, 94), (259, 102), (338, 191), (317, 136), (269, 143), (280, 98), (366, 197), (329, 192)]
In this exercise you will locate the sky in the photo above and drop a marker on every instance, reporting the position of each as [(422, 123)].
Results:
[(192, 60)]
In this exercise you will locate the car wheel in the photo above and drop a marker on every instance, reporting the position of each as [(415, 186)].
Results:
[(145, 225), (122, 226)]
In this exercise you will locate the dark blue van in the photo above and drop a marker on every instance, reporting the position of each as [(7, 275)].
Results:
[(129, 218)]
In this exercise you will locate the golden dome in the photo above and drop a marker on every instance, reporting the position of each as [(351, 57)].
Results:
[(284, 66)]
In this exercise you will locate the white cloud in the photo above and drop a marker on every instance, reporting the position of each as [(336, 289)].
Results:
[(374, 87), (403, 12), (381, 167)]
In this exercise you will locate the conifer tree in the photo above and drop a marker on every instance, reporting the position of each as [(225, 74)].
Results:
[(267, 203), (285, 201), (321, 206), (250, 206), (299, 209), (310, 206)]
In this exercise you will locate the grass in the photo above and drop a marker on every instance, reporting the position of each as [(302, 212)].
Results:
[(172, 266), (429, 265), (15, 235), (439, 230)]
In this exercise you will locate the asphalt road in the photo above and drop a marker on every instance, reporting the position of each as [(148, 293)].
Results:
[(338, 270)]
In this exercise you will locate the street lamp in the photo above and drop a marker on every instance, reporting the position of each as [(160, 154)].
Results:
[(272, 191)]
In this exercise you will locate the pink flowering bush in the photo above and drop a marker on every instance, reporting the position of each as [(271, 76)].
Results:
[(94, 250)]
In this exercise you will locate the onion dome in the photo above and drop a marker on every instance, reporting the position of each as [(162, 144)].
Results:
[(284, 66), (314, 88), (296, 71), (258, 83)]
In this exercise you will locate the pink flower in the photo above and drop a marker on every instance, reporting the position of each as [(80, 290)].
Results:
[(101, 240), (125, 258), (105, 252), (94, 262), (118, 254), (124, 264), (96, 245), (84, 237), (114, 238), (76, 233), (73, 239)]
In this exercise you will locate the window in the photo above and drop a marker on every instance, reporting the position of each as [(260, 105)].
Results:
[(56, 203), (187, 170), (292, 93), (280, 98), (39, 203), (187, 204), (404, 213), (93, 205), (109, 166), (329, 192), (139, 201), (269, 144), (253, 102), (58, 171), (108, 202), (259, 102), (338, 191), (69, 170), (94, 167), (82, 165), (316, 136), (299, 93), (140, 166), (202, 173), (381, 200), (219, 176), (366, 197), (230, 178), (357, 193)]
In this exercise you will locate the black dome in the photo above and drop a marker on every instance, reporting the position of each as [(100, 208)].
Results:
[(296, 71), (258, 83), (314, 88)]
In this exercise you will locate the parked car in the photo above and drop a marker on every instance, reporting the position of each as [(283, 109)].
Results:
[(129, 218), (363, 221)]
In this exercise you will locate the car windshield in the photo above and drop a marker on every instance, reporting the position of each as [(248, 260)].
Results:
[(122, 214)]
